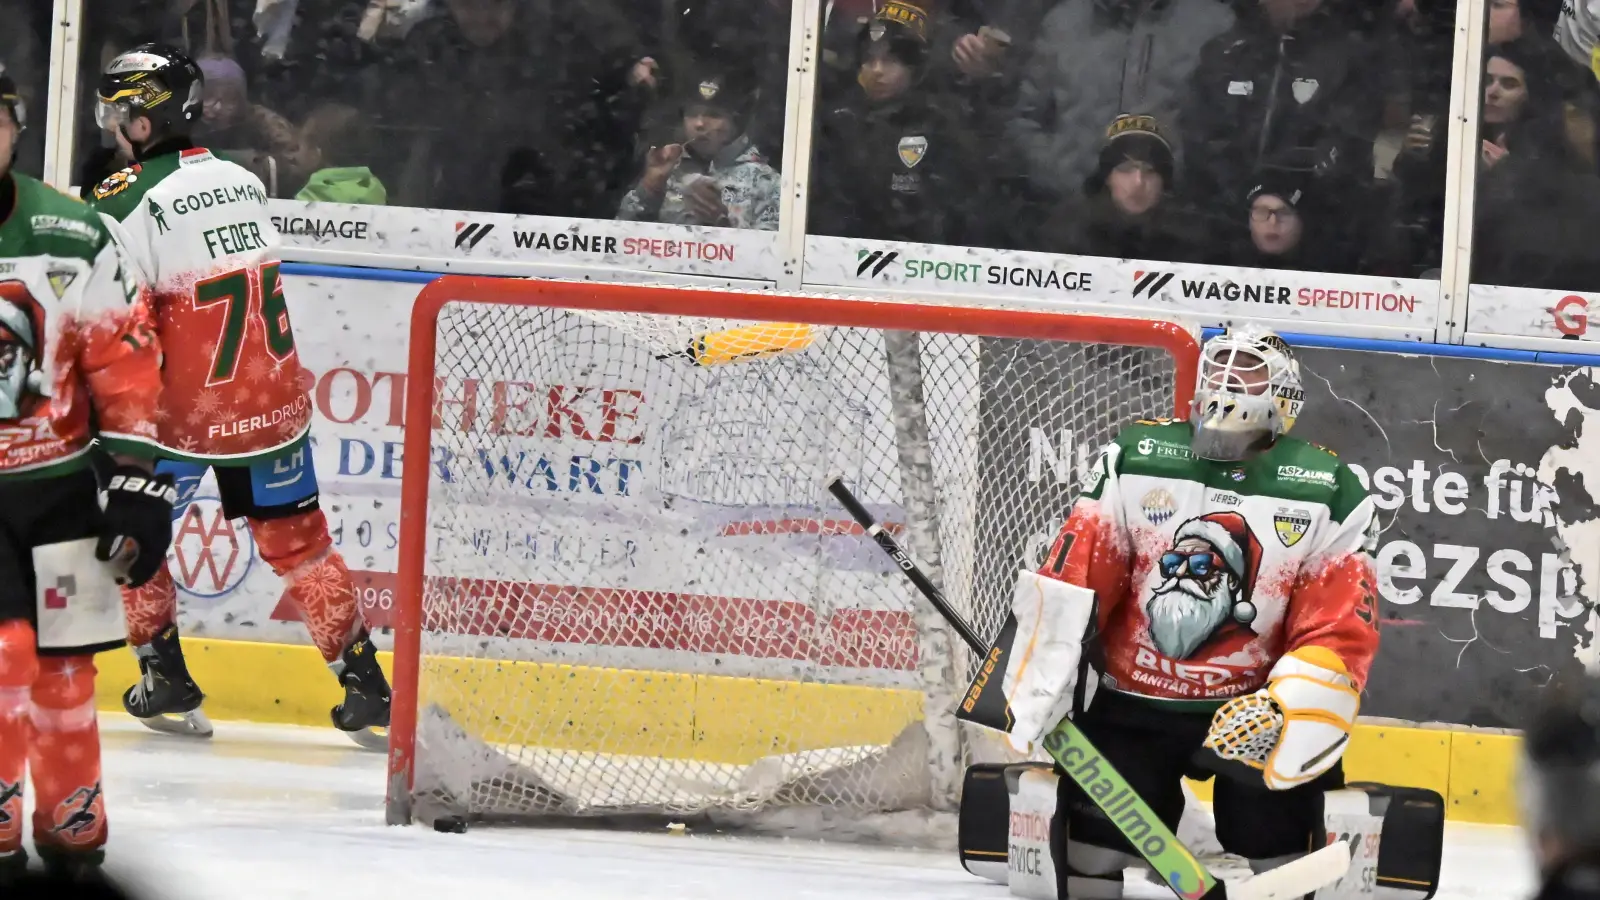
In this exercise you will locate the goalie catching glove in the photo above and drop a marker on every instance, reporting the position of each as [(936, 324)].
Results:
[(1292, 730), (1039, 669), (137, 524)]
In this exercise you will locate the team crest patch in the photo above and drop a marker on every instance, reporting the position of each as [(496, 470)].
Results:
[(1158, 505), (60, 280), (118, 182), (1290, 526), (912, 149)]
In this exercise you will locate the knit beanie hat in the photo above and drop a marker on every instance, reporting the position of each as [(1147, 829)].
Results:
[(1139, 138), (903, 26)]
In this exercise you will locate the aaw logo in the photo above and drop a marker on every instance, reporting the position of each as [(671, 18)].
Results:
[(211, 555)]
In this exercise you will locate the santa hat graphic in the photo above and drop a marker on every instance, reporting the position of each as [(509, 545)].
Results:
[(1229, 534)]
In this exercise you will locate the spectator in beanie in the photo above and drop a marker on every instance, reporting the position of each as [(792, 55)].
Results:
[(1291, 220), (1127, 211), (716, 176), (1297, 76), (894, 162), (248, 134), (1096, 59)]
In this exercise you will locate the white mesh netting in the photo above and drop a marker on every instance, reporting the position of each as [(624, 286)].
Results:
[(640, 597)]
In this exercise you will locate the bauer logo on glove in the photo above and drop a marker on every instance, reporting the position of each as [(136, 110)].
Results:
[(1037, 672), (137, 526)]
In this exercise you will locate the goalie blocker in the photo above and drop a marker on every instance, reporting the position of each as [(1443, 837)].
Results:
[(1009, 833)]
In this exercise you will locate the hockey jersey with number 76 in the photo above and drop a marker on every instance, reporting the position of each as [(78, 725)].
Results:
[(196, 234)]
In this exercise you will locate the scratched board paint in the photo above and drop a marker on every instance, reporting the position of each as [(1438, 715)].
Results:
[(1490, 545)]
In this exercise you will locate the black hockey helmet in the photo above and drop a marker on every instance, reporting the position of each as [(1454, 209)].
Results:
[(158, 82), (11, 99)]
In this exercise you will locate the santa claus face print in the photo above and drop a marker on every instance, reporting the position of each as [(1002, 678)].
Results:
[(1195, 598)]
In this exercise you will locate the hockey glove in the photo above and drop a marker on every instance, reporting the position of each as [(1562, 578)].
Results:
[(137, 526), (1043, 666), (1292, 730)]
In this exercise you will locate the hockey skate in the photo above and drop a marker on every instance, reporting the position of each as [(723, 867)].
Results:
[(12, 865), (166, 699), (81, 867), (365, 709)]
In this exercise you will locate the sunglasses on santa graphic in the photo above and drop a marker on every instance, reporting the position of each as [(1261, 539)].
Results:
[(1201, 563)]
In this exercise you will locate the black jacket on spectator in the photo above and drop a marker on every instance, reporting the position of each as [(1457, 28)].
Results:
[(1258, 93), (901, 171), (1095, 59), (1535, 222), (1096, 227)]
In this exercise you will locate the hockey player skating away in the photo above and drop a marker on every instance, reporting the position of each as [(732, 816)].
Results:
[(198, 239), (77, 358), (1237, 617)]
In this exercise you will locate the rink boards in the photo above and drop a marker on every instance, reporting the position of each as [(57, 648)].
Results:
[(733, 720)]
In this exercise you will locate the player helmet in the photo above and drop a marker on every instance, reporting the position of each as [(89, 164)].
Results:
[(1558, 774), (11, 99), (1247, 397), (155, 81)]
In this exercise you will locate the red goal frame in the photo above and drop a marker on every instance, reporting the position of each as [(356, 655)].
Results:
[(700, 302)]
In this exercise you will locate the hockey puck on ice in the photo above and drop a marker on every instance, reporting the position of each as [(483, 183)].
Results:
[(451, 825)]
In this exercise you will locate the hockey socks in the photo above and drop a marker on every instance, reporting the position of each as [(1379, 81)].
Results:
[(64, 757), (315, 577), (19, 668), (152, 608)]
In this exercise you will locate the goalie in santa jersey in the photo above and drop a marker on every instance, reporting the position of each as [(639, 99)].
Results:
[(1223, 571), (198, 240)]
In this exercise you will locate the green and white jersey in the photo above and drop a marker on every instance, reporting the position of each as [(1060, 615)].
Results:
[(1208, 572), (200, 244), (77, 359)]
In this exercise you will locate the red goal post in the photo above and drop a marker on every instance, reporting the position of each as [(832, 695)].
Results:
[(517, 711)]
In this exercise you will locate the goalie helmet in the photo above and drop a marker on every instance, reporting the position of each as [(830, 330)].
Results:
[(11, 100), (1248, 394)]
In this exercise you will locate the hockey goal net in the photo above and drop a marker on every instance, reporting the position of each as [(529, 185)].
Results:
[(624, 587)]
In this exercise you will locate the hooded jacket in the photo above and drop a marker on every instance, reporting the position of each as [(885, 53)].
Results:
[(1095, 59)]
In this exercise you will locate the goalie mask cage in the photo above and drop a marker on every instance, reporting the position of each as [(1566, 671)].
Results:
[(624, 588)]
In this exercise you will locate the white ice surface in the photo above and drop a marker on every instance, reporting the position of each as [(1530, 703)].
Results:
[(275, 812)]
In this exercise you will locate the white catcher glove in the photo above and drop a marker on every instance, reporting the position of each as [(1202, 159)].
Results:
[(1295, 728)]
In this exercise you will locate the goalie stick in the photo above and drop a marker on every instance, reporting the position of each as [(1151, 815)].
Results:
[(1188, 878)]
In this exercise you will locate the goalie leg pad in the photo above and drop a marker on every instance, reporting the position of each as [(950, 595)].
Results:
[(984, 821), (1412, 849)]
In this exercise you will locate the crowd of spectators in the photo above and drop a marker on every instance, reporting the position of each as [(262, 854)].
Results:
[(1290, 134)]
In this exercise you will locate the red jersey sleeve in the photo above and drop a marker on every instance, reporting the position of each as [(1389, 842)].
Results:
[(115, 348), (1092, 549), (1334, 603)]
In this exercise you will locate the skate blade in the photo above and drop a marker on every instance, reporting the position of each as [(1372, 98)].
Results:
[(190, 724), (374, 739)]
